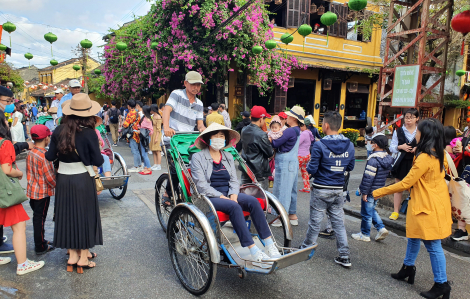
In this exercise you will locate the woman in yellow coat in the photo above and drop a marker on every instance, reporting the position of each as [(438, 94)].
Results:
[(429, 210)]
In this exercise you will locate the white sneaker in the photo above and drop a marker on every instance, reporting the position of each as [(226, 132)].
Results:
[(228, 224), (4, 260), (134, 169), (272, 251), (360, 237), (150, 153), (115, 144), (258, 257), (382, 234), (30, 267), (156, 167), (277, 223), (294, 222)]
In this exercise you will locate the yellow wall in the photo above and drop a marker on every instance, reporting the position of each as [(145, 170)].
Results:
[(64, 72)]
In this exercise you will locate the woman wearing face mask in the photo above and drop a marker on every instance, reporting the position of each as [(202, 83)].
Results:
[(213, 171)]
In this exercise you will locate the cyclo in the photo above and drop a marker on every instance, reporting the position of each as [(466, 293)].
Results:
[(198, 239)]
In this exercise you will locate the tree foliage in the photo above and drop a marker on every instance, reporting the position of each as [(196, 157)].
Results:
[(9, 74)]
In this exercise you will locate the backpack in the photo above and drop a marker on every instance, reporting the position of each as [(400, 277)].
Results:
[(113, 115)]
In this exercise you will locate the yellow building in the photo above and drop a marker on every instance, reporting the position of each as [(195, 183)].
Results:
[(64, 70), (342, 71)]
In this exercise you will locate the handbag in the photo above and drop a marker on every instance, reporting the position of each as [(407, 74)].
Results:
[(129, 131), (98, 182), (404, 205), (11, 192), (459, 192)]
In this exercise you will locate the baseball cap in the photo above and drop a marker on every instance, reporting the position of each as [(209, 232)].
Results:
[(59, 90), (210, 108), (40, 132), (193, 77), (5, 92), (259, 112), (74, 83), (381, 141), (246, 114), (283, 115)]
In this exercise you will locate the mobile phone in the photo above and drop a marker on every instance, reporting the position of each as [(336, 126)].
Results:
[(466, 174)]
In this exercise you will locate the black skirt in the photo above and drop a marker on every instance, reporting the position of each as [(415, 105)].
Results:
[(401, 170), (77, 214)]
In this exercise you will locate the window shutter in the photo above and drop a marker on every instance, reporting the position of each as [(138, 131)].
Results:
[(305, 12), (293, 13), (280, 100), (340, 28)]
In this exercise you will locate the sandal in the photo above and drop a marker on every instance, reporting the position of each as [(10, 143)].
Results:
[(305, 190), (166, 200), (70, 267), (80, 268)]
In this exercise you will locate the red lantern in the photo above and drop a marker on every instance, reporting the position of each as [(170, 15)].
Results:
[(468, 119), (461, 23)]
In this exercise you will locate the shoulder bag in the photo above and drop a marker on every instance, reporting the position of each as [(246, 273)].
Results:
[(459, 192), (11, 192), (98, 182)]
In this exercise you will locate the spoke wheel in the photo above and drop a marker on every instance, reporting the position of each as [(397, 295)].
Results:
[(163, 209), (118, 168), (278, 232), (190, 253)]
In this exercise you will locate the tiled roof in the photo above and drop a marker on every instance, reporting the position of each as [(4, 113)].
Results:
[(41, 92)]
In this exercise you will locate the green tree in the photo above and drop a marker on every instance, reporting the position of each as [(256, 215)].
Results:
[(9, 74)]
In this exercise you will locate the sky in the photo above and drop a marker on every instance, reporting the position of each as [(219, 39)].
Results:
[(71, 21)]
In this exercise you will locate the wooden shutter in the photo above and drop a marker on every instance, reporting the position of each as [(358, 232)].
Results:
[(293, 13), (305, 12), (340, 28), (280, 100), (249, 96)]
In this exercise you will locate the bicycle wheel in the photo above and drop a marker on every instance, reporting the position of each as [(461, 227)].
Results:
[(278, 232), (190, 253), (118, 168)]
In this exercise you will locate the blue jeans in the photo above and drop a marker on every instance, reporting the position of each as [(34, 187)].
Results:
[(235, 210), (438, 259), (145, 156), (107, 164), (370, 216), (139, 155)]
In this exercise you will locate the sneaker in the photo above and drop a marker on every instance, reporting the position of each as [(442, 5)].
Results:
[(5, 238), (459, 235), (277, 223), (394, 216), (134, 169), (49, 248), (228, 224), (258, 257), (294, 222), (327, 234), (360, 237), (272, 251), (29, 267), (4, 260), (343, 261), (6, 248), (156, 167), (383, 232), (115, 144)]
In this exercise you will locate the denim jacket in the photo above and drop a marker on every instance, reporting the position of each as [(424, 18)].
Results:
[(201, 171)]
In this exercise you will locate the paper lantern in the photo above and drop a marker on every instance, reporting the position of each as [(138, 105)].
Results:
[(287, 38), (55, 87), (257, 50), (29, 56), (154, 45), (460, 73), (50, 85), (9, 27), (62, 85), (357, 5), (468, 119), (97, 72), (3, 47), (304, 30), (328, 19), (121, 46), (44, 87), (461, 23), (270, 44), (40, 84), (54, 62), (26, 82), (76, 67), (87, 44)]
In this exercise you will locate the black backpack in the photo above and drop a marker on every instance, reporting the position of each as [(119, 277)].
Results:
[(113, 115)]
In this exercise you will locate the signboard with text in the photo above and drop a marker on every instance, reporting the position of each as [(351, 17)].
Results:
[(405, 86)]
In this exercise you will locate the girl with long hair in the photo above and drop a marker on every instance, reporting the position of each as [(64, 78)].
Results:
[(156, 139), (428, 217), (146, 130)]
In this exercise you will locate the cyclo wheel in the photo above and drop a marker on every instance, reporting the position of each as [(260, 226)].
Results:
[(163, 209), (278, 233), (190, 253), (118, 168)]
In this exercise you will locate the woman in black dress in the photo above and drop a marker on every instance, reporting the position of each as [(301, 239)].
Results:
[(77, 217)]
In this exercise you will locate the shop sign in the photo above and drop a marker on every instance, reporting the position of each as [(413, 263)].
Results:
[(405, 86), (238, 91)]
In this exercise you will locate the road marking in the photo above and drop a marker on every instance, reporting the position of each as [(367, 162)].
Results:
[(141, 195)]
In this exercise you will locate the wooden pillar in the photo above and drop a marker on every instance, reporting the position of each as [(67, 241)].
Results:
[(316, 112), (342, 102)]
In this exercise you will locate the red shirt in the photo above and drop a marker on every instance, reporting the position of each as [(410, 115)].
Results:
[(40, 174), (7, 153)]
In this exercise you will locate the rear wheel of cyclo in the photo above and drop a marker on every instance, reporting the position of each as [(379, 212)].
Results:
[(279, 233), (163, 210), (118, 169), (190, 253)]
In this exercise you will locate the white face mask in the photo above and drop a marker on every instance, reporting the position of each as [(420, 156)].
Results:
[(217, 143)]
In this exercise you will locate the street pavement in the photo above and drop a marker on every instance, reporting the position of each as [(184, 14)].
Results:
[(134, 260)]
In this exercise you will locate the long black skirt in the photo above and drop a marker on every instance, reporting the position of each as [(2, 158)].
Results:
[(77, 214)]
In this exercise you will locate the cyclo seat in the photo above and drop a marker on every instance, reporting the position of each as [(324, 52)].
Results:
[(222, 216)]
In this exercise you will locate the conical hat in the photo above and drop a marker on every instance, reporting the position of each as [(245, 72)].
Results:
[(234, 137)]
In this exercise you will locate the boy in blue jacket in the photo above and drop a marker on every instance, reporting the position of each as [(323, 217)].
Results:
[(331, 157), (378, 166)]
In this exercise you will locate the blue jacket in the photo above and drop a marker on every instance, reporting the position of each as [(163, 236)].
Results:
[(378, 166), (331, 157)]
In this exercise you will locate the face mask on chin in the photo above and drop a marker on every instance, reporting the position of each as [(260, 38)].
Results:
[(217, 143)]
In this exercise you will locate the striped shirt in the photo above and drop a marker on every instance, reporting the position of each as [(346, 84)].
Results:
[(184, 116)]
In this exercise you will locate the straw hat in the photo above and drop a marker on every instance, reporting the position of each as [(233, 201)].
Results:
[(234, 137), (81, 105), (52, 110), (298, 113)]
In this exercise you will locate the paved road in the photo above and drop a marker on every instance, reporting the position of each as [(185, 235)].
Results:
[(134, 261)]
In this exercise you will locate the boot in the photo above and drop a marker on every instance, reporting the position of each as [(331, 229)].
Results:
[(438, 290), (406, 271)]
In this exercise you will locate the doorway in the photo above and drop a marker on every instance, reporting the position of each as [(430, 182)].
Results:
[(303, 94)]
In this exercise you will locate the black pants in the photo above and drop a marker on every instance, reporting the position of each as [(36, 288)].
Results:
[(39, 207), (1, 235)]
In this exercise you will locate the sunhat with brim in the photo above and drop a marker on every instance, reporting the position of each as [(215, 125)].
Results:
[(234, 137), (52, 110), (81, 105), (298, 113)]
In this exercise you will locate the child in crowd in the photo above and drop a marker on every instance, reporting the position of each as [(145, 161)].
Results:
[(41, 185), (377, 168), (305, 141), (331, 157), (368, 138), (274, 133)]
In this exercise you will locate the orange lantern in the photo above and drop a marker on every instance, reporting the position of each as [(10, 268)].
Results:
[(468, 119)]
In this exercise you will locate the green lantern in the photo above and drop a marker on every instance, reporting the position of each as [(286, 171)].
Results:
[(87, 44), (304, 30), (54, 62), (287, 38), (9, 27), (97, 72), (154, 45), (270, 44), (3, 47), (257, 50), (76, 67), (50, 37), (460, 73), (29, 56), (357, 5), (328, 19), (121, 46)]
